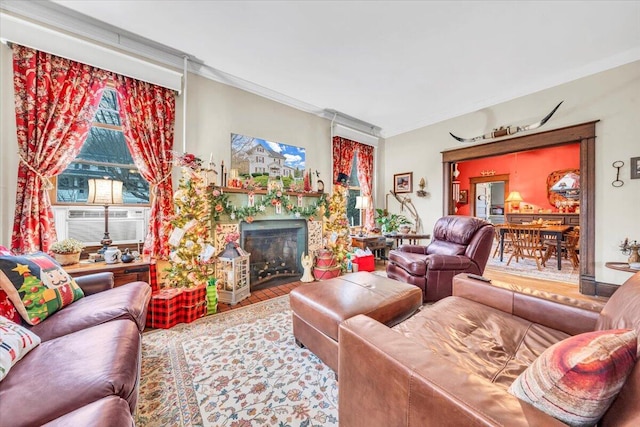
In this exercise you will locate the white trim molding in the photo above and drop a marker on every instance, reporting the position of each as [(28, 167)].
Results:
[(25, 33)]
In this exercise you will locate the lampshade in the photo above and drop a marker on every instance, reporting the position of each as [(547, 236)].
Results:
[(105, 192), (363, 202), (514, 196)]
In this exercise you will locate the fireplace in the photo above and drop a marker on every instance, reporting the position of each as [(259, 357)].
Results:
[(276, 247)]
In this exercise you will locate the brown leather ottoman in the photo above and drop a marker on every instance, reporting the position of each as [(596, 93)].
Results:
[(319, 308)]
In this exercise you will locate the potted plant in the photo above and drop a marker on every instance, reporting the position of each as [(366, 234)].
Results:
[(67, 251), (389, 223)]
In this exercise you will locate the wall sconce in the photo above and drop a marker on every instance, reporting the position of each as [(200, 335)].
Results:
[(421, 192)]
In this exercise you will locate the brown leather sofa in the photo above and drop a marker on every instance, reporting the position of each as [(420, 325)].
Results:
[(460, 244), (452, 363), (86, 370)]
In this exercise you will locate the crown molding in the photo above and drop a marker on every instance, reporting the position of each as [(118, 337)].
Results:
[(58, 17)]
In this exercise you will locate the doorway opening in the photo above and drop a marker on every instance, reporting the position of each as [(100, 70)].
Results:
[(487, 195), (585, 135)]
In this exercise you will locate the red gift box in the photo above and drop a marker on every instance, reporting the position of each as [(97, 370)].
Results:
[(153, 277), (189, 314), (165, 308), (171, 306), (365, 263), (194, 304)]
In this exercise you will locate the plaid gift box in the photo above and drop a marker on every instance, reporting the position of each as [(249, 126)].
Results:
[(194, 304), (189, 314), (165, 308), (153, 277)]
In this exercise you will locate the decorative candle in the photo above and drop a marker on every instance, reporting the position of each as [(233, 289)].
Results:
[(230, 277)]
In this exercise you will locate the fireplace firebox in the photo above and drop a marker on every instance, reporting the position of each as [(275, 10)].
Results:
[(276, 247)]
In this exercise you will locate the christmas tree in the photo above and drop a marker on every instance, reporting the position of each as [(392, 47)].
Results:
[(337, 226), (191, 256)]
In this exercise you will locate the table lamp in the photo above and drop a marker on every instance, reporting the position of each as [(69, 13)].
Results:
[(105, 192), (363, 203), (514, 198)]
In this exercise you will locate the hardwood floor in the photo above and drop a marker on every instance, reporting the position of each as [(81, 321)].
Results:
[(261, 295), (569, 290), (565, 289)]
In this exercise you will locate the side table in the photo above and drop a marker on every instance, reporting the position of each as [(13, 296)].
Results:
[(122, 273), (376, 244), (412, 238), (620, 266)]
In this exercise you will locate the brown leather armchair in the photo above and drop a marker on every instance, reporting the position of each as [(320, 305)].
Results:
[(460, 244)]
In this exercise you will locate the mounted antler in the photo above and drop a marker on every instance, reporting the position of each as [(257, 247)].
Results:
[(405, 201)]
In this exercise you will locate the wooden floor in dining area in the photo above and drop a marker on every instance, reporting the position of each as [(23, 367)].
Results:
[(565, 289), (569, 290)]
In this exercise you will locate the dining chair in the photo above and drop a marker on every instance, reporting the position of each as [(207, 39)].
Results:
[(507, 244), (526, 243), (570, 247)]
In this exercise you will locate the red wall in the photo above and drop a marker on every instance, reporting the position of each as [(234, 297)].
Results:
[(528, 171)]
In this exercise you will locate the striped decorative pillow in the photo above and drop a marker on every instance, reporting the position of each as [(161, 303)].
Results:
[(15, 342), (577, 379)]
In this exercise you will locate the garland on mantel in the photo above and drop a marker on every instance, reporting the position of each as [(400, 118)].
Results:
[(221, 205)]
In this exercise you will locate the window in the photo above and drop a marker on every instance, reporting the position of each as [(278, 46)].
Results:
[(354, 215), (104, 154)]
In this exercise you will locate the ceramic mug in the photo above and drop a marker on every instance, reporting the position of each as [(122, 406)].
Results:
[(112, 255)]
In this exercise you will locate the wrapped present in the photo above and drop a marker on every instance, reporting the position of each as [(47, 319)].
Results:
[(153, 277), (165, 308), (191, 313), (365, 263), (194, 303)]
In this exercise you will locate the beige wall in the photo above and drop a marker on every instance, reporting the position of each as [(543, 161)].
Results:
[(215, 110), (612, 97)]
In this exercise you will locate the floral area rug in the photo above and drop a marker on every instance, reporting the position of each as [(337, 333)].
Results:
[(240, 368)]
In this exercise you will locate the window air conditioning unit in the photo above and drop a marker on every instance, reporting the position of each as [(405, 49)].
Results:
[(86, 224)]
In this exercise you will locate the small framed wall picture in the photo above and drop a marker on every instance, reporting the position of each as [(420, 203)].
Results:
[(403, 182), (635, 168), (464, 197)]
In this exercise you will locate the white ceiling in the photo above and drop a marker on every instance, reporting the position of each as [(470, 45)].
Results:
[(394, 64)]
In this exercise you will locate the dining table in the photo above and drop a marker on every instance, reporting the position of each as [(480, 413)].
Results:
[(555, 231)]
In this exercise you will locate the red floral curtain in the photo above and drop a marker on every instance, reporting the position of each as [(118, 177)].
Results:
[(365, 176), (56, 100), (343, 152), (148, 118)]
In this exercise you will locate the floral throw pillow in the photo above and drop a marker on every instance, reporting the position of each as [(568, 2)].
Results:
[(577, 379), (37, 285), (7, 309), (15, 342)]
